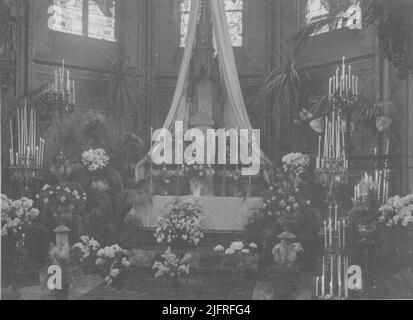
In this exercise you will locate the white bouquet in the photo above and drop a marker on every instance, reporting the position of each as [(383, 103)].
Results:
[(398, 211), (95, 159)]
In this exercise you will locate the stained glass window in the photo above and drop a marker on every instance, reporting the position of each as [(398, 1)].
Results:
[(92, 18), (234, 10), (101, 22), (318, 9), (67, 16)]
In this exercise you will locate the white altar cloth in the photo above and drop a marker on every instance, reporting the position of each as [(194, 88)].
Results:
[(220, 213)]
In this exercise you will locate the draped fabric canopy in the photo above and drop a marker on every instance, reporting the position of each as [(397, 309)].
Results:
[(235, 113)]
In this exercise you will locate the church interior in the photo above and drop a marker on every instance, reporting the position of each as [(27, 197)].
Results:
[(206, 149)]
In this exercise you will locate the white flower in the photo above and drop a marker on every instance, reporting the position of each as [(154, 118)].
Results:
[(245, 250), (253, 245), (114, 273), (237, 245), (219, 248)]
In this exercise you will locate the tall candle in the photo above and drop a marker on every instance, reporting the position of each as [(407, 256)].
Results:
[(11, 140), (323, 279), (316, 286), (325, 234), (339, 274), (344, 233), (330, 231), (331, 276), (335, 216), (18, 131), (339, 234), (345, 277)]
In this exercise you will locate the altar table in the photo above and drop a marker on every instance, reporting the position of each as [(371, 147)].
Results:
[(220, 213)]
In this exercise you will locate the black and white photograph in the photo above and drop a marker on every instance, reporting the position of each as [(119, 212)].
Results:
[(206, 156)]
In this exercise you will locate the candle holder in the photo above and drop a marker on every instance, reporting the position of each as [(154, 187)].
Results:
[(332, 171), (27, 171)]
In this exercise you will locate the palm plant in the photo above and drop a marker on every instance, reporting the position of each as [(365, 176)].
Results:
[(289, 85), (119, 86), (391, 18)]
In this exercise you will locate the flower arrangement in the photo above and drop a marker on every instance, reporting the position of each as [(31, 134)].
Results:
[(171, 266), (398, 211), (17, 216), (85, 251), (95, 159), (287, 199), (60, 195), (236, 256), (194, 170), (112, 261), (181, 226)]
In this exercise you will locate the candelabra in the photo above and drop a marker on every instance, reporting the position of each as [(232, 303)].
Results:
[(332, 169), (27, 157), (60, 94)]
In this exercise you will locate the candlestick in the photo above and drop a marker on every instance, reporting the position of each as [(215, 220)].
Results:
[(323, 279), (331, 276), (330, 231), (339, 275)]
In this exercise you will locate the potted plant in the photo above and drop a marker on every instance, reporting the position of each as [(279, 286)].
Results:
[(239, 258), (19, 226), (172, 268), (112, 261), (85, 252)]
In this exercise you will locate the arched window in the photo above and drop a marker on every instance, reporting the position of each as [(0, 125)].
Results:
[(92, 18), (235, 14), (318, 9)]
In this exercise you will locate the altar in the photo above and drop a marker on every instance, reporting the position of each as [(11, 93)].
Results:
[(219, 213)]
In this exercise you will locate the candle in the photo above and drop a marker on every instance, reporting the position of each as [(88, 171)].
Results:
[(329, 88), (18, 130), (17, 159), (323, 279), (325, 234), (330, 231), (37, 156), (339, 234), (335, 216), (316, 286), (344, 233), (357, 90), (11, 157), (11, 140), (319, 151), (331, 275), (346, 277), (339, 275)]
